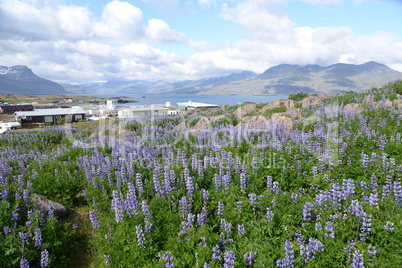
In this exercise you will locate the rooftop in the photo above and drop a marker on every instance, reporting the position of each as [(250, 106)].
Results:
[(145, 109), (196, 104), (53, 111)]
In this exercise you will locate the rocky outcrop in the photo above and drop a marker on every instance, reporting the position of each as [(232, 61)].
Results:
[(245, 109), (44, 205), (314, 100)]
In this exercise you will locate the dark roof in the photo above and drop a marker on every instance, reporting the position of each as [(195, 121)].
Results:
[(14, 108)]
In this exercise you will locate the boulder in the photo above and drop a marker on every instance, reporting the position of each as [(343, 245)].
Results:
[(314, 100), (43, 205), (243, 110)]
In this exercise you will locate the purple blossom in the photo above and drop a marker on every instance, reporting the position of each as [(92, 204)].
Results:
[(309, 250), (270, 214), (140, 236), (44, 258), (329, 228), (145, 209), (307, 211), (24, 237), (253, 199), (51, 211), (38, 238), (203, 243), (239, 205), (289, 259), (250, 258), (226, 226), (117, 206), (229, 259), (389, 226), (93, 219), (216, 253), (221, 207), (240, 229), (24, 263), (168, 259), (358, 260)]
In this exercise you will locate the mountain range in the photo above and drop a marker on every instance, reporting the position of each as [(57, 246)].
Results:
[(20, 79), (280, 79)]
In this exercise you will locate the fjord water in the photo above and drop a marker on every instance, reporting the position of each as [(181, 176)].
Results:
[(161, 99)]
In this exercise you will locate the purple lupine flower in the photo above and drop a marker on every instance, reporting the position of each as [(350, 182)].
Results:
[(329, 228), (169, 259), (184, 206), (365, 161), (140, 236), (289, 259), (239, 205), (24, 237), (229, 259), (318, 227), (189, 183), (216, 253), (148, 226), (226, 181), (389, 226), (309, 251), (44, 258), (270, 214), (24, 263), (240, 229), (206, 265), (275, 187), (253, 199), (145, 209), (269, 182), (131, 203), (15, 216), (25, 195), (205, 195), (250, 258), (398, 192), (294, 198), (38, 238), (117, 206), (7, 230), (307, 211), (217, 182), (51, 211), (358, 260), (203, 243), (387, 188), (373, 199), (221, 207), (201, 219), (226, 226), (138, 183), (366, 226), (108, 259), (94, 219)]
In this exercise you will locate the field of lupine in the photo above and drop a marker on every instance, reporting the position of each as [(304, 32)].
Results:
[(326, 193)]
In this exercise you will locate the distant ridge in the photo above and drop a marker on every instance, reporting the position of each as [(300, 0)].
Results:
[(20, 79), (280, 79)]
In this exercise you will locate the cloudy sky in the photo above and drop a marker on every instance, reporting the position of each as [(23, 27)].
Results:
[(79, 41)]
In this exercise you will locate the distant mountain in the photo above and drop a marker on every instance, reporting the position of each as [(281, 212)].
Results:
[(20, 79), (287, 78)]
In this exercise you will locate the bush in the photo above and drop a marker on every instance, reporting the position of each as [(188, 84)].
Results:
[(298, 96)]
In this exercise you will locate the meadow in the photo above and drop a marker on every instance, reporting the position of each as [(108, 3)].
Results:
[(144, 193)]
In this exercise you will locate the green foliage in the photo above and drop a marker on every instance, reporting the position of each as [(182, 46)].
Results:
[(298, 96), (268, 113)]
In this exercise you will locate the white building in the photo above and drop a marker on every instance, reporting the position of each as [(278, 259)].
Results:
[(186, 106), (111, 105), (4, 127), (142, 111)]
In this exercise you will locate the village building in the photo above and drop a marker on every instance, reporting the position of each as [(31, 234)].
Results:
[(142, 111), (4, 127), (10, 109), (41, 117), (187, 106)]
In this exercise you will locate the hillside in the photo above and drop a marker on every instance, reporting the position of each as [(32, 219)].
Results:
[(20, 79), (280, 79)]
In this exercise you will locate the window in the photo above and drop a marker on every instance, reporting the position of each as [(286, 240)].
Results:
[(78, 117), (48, 119), (28, 118), (58, 116)]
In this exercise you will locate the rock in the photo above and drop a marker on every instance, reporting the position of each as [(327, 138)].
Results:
[(42, 205), (294, 112), (314, 100), (243, 110), (284, 120), (271, 105), (254, 123), (397, 103), (353, 108)]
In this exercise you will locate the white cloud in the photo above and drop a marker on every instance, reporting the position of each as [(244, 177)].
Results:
[(159, 31), (75, 22), (122, 23)]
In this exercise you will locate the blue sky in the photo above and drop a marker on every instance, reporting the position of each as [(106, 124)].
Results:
[(98, 40)]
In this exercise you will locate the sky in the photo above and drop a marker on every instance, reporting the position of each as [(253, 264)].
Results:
[(73, 41)]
